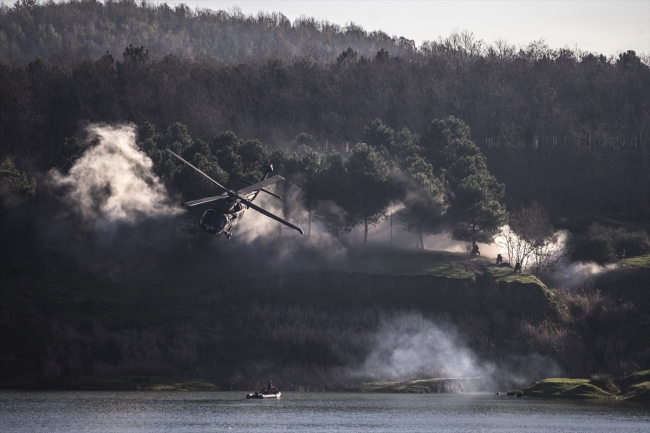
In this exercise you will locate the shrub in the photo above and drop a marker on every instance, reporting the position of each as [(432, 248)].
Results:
[(603, 244)]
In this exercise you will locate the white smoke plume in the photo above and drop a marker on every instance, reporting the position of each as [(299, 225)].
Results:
[(572, 275), (286, 244), (113, 181), (389, 233), (409, 346), (254, 224)]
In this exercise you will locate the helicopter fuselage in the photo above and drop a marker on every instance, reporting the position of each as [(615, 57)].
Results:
[(222, 217)]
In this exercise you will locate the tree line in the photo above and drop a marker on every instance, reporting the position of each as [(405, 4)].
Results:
[(441, 179), (567, 129), (70, 31)]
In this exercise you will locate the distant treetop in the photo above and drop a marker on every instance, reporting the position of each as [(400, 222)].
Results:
[(70, 31)]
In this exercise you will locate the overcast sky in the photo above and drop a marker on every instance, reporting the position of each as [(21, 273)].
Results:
[(607, 27)]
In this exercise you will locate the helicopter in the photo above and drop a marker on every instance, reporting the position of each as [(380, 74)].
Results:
[(231, 205)]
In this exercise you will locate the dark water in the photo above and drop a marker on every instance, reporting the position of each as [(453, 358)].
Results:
[(309, 412)]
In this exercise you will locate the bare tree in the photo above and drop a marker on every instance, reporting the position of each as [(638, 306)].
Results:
[(517, 248), (530, 239)]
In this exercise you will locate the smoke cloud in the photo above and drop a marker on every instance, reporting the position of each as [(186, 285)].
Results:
[(572, 275), (113, 181), (409, 346), (274, 244)]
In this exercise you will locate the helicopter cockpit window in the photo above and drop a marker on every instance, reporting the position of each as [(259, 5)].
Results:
[(209, 216), (220, 222), (214, 219)]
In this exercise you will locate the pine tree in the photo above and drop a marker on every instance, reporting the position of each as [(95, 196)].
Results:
[(475, 213)]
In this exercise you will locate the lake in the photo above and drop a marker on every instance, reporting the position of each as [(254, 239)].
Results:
[(73, 411)]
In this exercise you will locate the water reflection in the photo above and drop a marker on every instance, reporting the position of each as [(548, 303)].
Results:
[(139, 412)]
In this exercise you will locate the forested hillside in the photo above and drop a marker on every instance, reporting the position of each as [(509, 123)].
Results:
[(69, 32), (567, 128)]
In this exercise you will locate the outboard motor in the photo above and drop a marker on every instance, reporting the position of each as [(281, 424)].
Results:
[(213, 222)]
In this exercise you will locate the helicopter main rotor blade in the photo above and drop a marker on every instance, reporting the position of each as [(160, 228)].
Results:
[(270, 215), (203, 200), (212, 180), (261, 189), (260, 185)]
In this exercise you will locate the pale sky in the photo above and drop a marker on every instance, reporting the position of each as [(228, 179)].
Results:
[(606, 27)]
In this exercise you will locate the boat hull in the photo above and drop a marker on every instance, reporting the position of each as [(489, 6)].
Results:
[(259, 395)]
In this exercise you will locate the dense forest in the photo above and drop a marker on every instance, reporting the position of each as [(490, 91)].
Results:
[(455, 136), (566, 128)]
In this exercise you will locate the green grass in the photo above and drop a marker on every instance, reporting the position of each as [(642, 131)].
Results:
[(563, 388), (638, 392), (638, 377), (642, 262), (506, 274), (421, 386)]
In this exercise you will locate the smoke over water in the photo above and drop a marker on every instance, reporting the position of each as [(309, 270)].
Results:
[(113, 181), (409, 346)]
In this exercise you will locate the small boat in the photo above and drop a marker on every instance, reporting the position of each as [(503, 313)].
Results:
[(266, 395)]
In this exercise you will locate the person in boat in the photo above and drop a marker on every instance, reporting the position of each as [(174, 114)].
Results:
[(269, 388)]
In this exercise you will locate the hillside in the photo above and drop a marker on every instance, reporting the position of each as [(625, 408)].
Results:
[(211, 322), (71, 31), (322, 324), (629, 282), (634, 388), (64, 65)]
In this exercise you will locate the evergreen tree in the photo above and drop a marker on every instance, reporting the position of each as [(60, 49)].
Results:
[(334, 186), (370, 192), (475, 212), (424, 199), (18, 182)]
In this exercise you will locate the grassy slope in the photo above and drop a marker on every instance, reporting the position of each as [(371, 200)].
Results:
[(212, 299), (639, 262), (638, 392), (637, 384), (562, 388), (427, 280), (629, 282), (421, 386)]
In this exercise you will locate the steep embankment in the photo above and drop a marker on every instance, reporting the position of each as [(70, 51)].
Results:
[(629, 282), (91, 331), (562, 388), (636, 387), (479, 293)]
